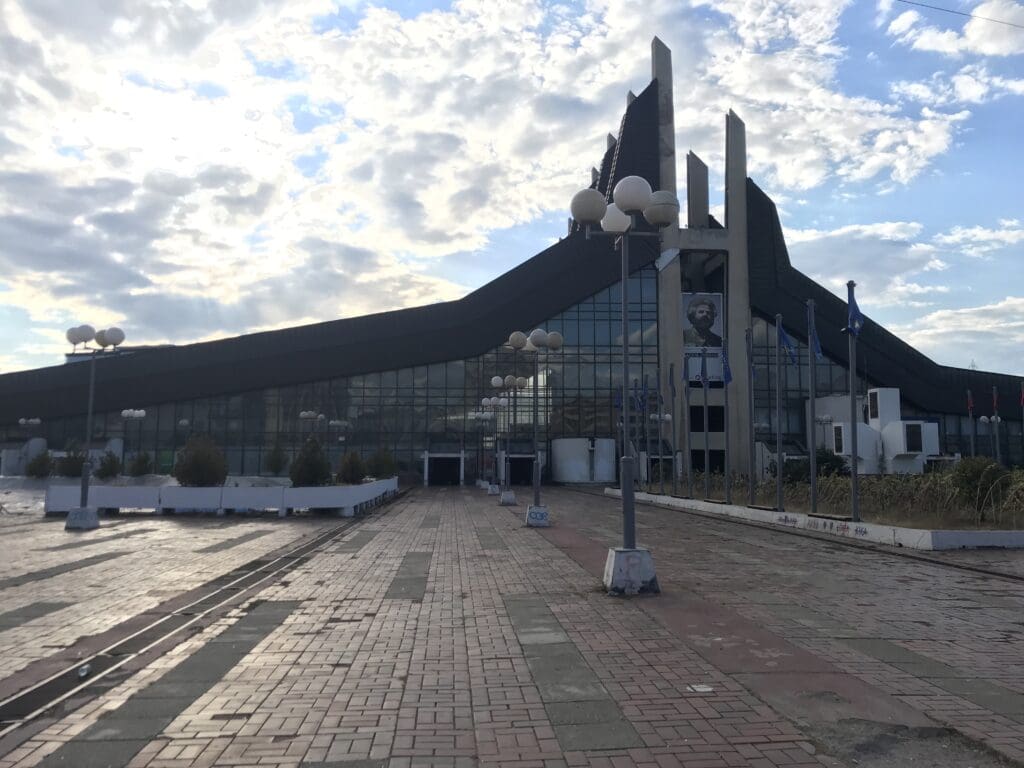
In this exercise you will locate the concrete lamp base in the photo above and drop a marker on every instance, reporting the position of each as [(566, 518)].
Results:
[(537, 517), (508, 499), (630, 572), (82, 519), (493, 490)]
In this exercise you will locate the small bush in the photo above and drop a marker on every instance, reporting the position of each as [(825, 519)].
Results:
[(141, 464), (974, 479), (71, 463), (352, 470), (110, 466), (40, 467), (828, 464), (311, 466), (200, 464), (276, 461), (382, 464)]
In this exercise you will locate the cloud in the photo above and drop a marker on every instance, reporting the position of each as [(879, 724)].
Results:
[(189, 169), (887, 260), (992, 334), (973, 84), (980, 241), (979, 35)]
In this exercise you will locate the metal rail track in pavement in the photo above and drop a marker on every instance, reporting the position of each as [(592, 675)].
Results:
[(21, 708)]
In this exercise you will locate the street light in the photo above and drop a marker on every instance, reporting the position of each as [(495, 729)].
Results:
[(134, 414), (629, 569), (536, 513), (110, 337)]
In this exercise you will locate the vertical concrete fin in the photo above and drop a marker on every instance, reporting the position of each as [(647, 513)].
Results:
[(661, 73), (696, 192), (630, 98), (610, 141), (595, 176), (735, 169)]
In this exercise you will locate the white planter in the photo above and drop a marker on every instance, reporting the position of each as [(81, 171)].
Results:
[(61, 499), (182, 499), (253, 498), (124, 497)]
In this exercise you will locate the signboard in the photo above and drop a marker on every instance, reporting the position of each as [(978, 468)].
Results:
[(703, 327)]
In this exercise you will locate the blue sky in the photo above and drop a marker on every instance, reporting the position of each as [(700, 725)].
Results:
[(194, 171)]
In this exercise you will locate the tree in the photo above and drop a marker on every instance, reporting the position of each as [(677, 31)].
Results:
[(141, 465), (276, 461), (382, 464), (40, 467), (110, 466), (352, 470), (201, 464), (311, 466), (71, 463)]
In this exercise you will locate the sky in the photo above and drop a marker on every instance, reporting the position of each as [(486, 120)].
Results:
[(195, 169)]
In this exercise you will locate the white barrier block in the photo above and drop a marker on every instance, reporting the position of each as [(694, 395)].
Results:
[(182, 499)]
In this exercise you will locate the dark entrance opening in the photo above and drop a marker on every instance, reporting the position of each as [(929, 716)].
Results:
[(717, 460), (521, 470), (443, 470)]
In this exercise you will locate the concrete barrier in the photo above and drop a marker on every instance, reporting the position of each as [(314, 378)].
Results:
[(61, 499), (892, 535)]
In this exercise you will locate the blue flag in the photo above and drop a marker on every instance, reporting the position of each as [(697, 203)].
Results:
[(856, 320), (617, 400), (813, 336), (787, 344), (726, 370)]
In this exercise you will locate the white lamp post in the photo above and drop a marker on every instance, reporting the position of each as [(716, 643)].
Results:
[(536, 513), (85, 518), (993, 435), (134, 414), (628, 570)]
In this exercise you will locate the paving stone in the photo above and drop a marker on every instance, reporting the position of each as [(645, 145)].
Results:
[(600, 736)]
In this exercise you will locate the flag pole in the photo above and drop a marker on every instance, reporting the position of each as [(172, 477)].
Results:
[(725, 419), (851, 332), (812, 443), (707, 432), (995, 423), (675, 427), (752, 491), (778, 413), (661, 412), (970, 418), (647, 433), (1022, 417), (687, 458)]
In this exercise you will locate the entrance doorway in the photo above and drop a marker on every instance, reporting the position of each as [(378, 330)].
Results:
[(521, 470), (443, 470)]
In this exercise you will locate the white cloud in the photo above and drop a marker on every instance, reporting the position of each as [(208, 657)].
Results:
[(979, 241), (980, 35), (972, 84), (202, 168), (992, 334)]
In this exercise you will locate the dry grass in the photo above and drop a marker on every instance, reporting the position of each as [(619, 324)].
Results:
[(936, 500)]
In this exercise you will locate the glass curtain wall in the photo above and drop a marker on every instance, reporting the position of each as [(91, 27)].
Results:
[(412, 410)]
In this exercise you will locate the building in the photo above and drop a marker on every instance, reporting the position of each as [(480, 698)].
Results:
[(407, 381)]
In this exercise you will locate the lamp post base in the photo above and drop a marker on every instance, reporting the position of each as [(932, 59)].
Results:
[(630, 572), (537, 516), (82, 519), (508, 499), (493, 490)]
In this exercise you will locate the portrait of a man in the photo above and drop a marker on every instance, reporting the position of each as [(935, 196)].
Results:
[(702, 317)]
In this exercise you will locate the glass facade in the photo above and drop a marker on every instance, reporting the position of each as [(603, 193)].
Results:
[(410, 410)]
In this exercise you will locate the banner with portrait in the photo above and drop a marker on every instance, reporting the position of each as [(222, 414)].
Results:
[(703, 328)]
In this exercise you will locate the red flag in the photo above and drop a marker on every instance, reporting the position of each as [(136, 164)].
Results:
[(970, 401)]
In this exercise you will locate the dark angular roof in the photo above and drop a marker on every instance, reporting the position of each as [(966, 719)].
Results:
[(558, 277), (777, 287)]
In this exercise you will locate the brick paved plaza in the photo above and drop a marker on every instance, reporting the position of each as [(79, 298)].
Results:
[(441, 632)]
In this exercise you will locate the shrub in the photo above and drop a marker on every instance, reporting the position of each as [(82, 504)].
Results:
[(40, 467), (382, 464), (110, 466), (828, 464), (200, 464), (276, 461), (141, 464), (311, 466), (71, 463), (975, 478), (352, 470)]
